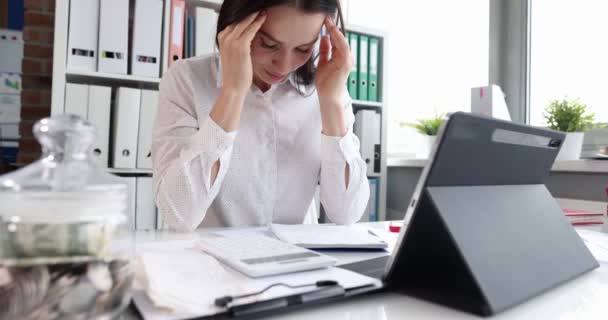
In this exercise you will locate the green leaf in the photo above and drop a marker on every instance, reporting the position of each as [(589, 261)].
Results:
[(568, 116), (427, 126)]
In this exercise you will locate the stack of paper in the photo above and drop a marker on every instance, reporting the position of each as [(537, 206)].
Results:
[(183, 283), (328, 236)]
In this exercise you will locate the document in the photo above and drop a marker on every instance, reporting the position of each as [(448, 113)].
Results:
[(181, 282), (596, 242), (327, 236)]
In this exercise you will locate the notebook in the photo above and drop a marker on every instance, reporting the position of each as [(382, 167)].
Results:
[(320, 236)]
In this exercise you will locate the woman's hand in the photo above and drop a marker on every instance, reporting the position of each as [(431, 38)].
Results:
[(235, 52), (330, 78), (237, 71)]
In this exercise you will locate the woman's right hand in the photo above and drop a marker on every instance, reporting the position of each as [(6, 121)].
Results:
[(235, 52)]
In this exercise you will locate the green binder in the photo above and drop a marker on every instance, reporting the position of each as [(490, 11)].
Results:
[(363, 67), (353, 40), (374, 47)]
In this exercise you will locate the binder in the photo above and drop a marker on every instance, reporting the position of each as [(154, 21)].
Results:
[(363, 68), (145, 60), (372, 204), (82, 36), (77, 99), (11, 51), (374, 62), (147, 113), (160, 222), (99, 109), (145, 211), (113, 36), (189, 38), (353, 40), (367, 128), (131, 183), (126, 125), (371, 210), (10, 108), (205, 28), (176, 31)]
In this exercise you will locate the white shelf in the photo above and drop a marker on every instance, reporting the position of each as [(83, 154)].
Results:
[(361, 103), (131, 171), (73, 74)]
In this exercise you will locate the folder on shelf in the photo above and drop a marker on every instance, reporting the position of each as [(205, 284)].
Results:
[(99, 110), (11, 50), (367, 128), (374, 62), (176, 30), (147, 113), (82, 36), (205, 26), (353, 83), (147, 29), (363, 67), (145, 211), (77, 99), (372, 205), (160, 222), (113, 36), (189, 38), (131, 183), (126, 127)]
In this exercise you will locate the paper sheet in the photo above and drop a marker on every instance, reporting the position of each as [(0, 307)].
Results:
[(327, 236), (185, 282), (597, 242)]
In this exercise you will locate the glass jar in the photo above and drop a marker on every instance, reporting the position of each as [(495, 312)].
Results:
[(65, 248)]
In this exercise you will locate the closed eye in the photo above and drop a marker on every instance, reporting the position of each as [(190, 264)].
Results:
[(305, 51), (268, 45)]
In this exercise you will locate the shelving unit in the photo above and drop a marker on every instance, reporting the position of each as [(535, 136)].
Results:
[(84, 76), (380, 107), (61, 76)]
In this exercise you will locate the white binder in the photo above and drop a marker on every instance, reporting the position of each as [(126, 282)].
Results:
[(126, 127), (82, 38), (145, 211), (131, 183), (367, 128), (206, 26), (77, 99), (147, 113), (11, 50), (113, 36), (147, 27), (99, 108)]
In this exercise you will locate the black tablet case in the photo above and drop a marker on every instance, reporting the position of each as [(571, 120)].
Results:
[(486, 234)]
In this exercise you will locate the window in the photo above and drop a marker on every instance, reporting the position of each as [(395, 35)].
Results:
[(437, 51), (569, 55)]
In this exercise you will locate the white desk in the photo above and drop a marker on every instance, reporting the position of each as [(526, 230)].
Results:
[(583, 298)]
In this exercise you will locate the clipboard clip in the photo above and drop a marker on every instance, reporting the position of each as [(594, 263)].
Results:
[(224, 301)]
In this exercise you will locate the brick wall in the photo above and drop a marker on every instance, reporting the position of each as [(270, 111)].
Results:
[(39, 19)]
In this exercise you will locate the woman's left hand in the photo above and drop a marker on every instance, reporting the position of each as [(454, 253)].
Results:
[(330, 78)]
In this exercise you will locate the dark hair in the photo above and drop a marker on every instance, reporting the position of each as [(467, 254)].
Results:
[(234, 11)]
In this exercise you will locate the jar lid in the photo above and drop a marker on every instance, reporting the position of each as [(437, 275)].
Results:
[(65, 183)]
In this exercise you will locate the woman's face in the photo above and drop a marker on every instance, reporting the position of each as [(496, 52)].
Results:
[(283, 44)]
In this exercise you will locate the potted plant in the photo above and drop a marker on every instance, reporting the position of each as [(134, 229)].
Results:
[(428, 128), (569, 116)]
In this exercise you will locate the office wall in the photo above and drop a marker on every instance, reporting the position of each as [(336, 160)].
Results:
[(583, 186), (37, 66)]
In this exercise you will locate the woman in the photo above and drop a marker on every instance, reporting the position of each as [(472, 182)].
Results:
[(244, 137)]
